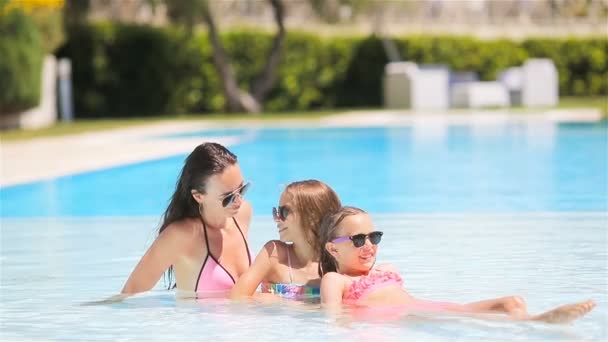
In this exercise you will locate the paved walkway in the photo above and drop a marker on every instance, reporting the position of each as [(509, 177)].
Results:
[(44, 158)]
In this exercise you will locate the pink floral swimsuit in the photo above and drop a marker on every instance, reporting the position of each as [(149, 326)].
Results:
[(376, 279), (364, 285)]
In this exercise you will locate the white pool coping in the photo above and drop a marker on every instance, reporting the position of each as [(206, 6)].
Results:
[(47, 158)]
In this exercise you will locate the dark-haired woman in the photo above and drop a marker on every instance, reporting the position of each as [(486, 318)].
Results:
[(202, 241)]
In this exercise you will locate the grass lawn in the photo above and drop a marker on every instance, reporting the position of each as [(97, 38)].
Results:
[(90, 125), (585, 102)]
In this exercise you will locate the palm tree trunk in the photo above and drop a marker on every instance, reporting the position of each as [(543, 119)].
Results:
[(238, 100), (264, 82)]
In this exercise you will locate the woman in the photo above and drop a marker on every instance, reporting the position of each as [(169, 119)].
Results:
[(203, 237), (291, 270)]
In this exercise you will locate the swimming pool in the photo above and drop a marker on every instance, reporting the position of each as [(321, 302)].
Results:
[(471, 211), (499, 168)]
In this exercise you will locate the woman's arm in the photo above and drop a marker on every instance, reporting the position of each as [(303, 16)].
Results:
[(332, 289), (262, 265), (164, 252)]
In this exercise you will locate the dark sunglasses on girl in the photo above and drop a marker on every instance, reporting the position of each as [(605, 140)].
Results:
[(280, 213), (359, 239), (229, 199)]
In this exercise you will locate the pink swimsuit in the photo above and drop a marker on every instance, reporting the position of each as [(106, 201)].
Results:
[(213, 277), (376, 279), (366, 284)]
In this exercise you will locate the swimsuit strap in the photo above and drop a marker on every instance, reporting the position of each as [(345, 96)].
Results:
[(240, 231), (209, 255), (206, 258), (289, 263), (244, 240)]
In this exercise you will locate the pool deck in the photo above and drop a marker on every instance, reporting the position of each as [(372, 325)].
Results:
[(47, 158)]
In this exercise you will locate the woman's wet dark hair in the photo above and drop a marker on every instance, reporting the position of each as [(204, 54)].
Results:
[(205, 161)]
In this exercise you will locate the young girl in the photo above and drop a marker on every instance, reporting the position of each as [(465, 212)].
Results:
[(349, 244), (292, 270)]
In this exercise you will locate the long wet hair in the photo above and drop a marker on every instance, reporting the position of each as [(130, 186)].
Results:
[(328, 232), (205, 161), (312, 200)]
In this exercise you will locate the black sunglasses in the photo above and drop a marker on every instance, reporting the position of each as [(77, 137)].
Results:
[(359, 239), (280, 213), (229, 199)]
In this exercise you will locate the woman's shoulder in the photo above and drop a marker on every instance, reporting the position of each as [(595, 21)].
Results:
[(183, 229)]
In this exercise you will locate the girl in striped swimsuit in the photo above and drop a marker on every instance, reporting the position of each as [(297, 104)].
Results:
[(289, 267)]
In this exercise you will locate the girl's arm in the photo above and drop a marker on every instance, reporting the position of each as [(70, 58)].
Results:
[(332, 289), (262, 266), (164, 252)]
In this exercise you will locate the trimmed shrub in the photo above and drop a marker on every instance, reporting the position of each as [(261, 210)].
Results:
[(21, 54), (130, 70), (582, 63)]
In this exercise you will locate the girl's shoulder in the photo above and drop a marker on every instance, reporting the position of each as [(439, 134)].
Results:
[(275, 252), (277, 249), (336, 278)]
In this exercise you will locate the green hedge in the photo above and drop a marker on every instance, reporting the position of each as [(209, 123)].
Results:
[(127, 70), (122, 71), (21, 54), (582, 64)]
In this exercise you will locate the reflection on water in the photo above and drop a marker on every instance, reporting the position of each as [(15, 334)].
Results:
[(50, 267), (428, 167)]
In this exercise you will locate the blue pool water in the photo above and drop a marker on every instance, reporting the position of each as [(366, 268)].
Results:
[(51, 266), (472, 212), (444, 169)]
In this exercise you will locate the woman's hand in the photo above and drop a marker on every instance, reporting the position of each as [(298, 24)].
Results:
[(111, 300)]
